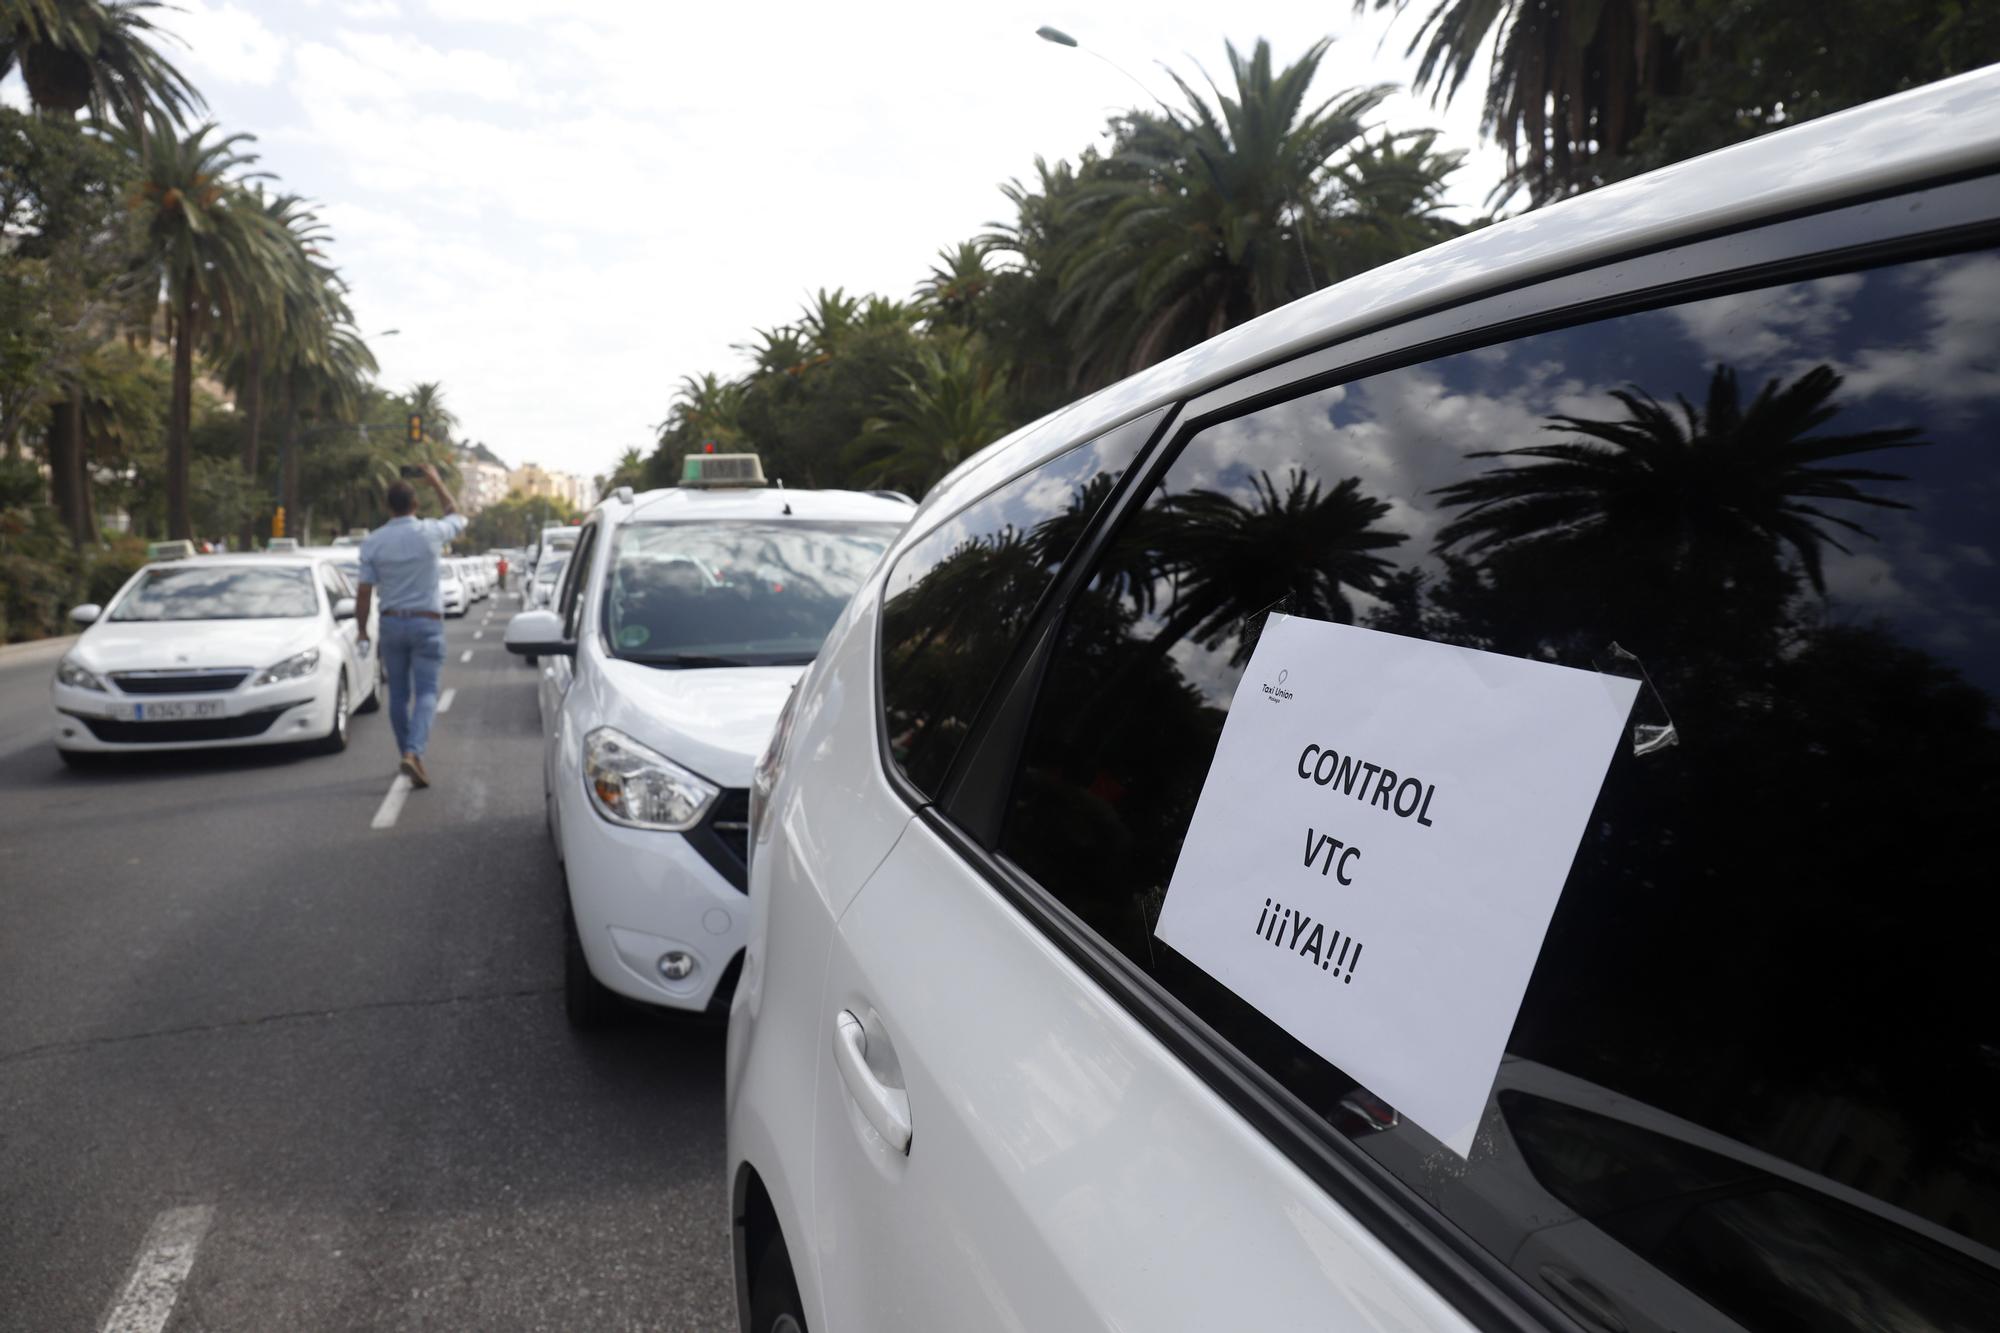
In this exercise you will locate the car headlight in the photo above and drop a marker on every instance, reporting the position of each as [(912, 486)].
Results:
[(641, 788), (299, 664), (74, 676)]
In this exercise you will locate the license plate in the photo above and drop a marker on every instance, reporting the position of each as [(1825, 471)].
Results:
[(170, 710)]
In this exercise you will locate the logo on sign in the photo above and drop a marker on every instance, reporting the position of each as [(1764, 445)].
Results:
[(1277, 693)]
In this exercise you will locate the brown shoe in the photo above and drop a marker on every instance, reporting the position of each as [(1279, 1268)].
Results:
[(413, 769)]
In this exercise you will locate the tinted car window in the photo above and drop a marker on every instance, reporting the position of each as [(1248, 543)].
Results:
[(1779, 931), (957, 600)]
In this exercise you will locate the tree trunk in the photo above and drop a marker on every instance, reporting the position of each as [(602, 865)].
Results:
[(253, 423), (289, 481), (85, 497), (180, 521), (65, 441)]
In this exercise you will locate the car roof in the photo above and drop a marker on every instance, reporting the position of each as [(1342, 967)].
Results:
[(692, 502), (1945, 128)]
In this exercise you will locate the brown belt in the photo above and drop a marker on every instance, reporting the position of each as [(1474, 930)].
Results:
[(420, 615)]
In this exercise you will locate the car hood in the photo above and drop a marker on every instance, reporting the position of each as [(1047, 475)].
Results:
[(714, 720), (161, 645)]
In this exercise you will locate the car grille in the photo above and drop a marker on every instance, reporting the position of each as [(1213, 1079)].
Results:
[(213, 680), (723, 837), (237, 728)]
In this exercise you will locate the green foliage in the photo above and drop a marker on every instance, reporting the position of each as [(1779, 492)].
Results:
[(1583, 92), (941, 412), (95, 54), (515, 521)]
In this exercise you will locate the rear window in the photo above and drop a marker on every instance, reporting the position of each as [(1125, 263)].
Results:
[(203, 592), (1756, 1075)]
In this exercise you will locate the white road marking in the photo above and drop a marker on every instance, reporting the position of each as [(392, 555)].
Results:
[(392, 804), (479, 634), (164, 1260), (465, 656), (444, 700)]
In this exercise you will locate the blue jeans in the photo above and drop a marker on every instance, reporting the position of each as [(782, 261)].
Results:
[(413, 653)]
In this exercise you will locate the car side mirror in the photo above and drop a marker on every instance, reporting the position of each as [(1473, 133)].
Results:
[(86, 614), (344, 609), (538, 634)]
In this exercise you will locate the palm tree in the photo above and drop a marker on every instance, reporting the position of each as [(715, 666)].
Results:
[(779, 350), (1700, 499), (1389, 203), (427, 401), (826, 321), (950, 408), (211, 247), (705, 410), (295, 303), (950, 295), (1569, 85), (94, 54), (1207, 216)]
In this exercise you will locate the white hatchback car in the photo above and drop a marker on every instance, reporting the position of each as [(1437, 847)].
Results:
[(212, 652), (683, 621), (1724, 433)]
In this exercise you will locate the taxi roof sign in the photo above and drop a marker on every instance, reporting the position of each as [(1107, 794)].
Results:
[(719, 470)]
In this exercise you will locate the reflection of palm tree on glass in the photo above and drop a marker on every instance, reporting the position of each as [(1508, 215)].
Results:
[(1301, 548), (1707, 497)]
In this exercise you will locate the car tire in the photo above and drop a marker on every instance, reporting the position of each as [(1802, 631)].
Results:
[(373, 702), (588, 1003), (775, 1306), (335, 739)]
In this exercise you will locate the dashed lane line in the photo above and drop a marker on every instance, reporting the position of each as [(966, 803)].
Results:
[(479, 634), (444, 700), (165, 1258), (465, 656), (392, 804)]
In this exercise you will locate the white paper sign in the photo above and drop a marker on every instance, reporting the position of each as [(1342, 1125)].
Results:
[(1380, 843)]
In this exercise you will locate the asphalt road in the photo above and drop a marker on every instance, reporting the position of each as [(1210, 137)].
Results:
[(328, 1060)]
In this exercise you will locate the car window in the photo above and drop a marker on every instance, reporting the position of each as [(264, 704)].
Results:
[(1780, 931), (957, 600), (219, 592), (572, 596), (335, 585), (742, 592)]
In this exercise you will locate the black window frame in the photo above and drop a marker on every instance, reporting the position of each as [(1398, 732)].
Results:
[(1908, 221), (568, 600)]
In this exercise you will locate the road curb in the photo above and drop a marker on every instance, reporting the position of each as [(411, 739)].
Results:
[(14, 654)]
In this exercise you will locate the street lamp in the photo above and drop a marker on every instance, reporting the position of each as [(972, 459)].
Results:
[(1056, 36)]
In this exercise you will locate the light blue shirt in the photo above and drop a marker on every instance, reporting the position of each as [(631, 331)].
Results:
[(401, 559)]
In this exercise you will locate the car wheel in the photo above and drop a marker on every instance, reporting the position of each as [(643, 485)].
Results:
[(587, 1002), (335, 739), (775, 1306), (375, 696)]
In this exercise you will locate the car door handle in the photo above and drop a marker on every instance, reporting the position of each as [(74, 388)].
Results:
[(887, 1108)]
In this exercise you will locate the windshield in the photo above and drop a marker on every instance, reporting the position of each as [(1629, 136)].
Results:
[(747, 593), (220, 593), (550, 569)]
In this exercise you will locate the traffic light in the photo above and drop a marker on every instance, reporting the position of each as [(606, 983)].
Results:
[(278, 521), (416, 428)]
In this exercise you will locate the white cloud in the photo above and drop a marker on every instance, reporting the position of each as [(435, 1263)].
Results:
[(225, 44)]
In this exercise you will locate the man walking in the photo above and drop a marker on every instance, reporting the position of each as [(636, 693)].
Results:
[(401, 558)]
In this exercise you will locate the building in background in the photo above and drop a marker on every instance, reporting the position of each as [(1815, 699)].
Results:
[(482, 478), (532, 480)]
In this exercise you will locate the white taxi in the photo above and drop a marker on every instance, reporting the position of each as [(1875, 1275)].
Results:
[(684, 618), (212, 652)]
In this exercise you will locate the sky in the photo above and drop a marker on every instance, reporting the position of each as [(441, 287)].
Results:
[(563, 208)]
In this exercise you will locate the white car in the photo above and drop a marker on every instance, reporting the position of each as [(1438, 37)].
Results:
[(541, 587), (1012, 1050), (215, 652), (684, 621), (452, 586)]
